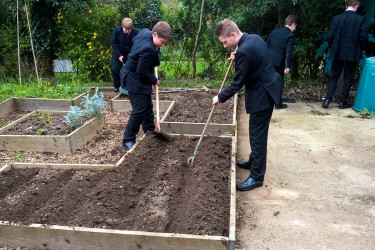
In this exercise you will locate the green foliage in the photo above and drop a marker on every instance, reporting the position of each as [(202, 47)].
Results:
[(45, 117), (85, 37), (365, 113), (18, 157), (74, 118), (94, 105), (60, 88), (41, 131), (144, 13), (318, 112)]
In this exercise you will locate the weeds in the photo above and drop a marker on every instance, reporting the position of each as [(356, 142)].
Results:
[(18, 157), (318, 112), (365, 113)]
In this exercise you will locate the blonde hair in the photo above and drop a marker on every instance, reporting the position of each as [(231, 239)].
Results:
[(226, 27), (127, 23)]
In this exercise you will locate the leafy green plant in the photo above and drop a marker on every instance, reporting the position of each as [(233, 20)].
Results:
[(18, 157), (46, 118), (74, 118), (41, 131), (365, 113), (4, 123), (318, 112), (94, 105)]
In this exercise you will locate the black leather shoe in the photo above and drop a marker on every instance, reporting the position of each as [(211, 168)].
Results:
[(281, 106), (249, 184), (243, 164), (326, 103), (344, 105), (128, 145)]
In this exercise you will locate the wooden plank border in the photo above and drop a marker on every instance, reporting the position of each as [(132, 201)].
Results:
[(81, 238), (50, 143)]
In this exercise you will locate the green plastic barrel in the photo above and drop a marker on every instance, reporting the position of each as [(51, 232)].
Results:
[(365, 96)]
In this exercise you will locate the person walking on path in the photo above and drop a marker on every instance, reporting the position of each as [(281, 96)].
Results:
[(138, 72), (121, 42), (255, 71), (281, 43), (347, 38)]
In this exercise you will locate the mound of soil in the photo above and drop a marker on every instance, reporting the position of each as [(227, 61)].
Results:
[(195, 106), (153, 190)]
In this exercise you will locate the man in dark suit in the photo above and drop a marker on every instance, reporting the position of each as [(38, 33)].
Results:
[(255, 71), (138, 73), (281, 44), (122, 42), (347, 38)]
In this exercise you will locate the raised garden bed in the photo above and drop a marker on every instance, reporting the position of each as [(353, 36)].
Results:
[(32, 104), (11, 139), (153, 200), (187, 112), (105, 149), (7, 119)]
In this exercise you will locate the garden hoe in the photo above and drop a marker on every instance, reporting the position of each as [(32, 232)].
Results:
[(191, 159)]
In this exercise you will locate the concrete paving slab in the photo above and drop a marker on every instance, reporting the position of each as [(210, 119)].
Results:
[(319, 190)]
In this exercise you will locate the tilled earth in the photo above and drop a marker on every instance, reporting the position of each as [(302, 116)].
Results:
[(153, 190)]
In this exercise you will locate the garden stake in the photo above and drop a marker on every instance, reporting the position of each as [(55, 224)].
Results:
[(158, 129), (191, 158)]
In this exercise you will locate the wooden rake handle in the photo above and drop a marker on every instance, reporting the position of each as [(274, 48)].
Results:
[(191, 159)]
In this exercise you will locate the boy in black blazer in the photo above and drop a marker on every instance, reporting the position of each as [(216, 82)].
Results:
[(255, 71), (281, 43), (138, 73), (121, 42), (347, 38)]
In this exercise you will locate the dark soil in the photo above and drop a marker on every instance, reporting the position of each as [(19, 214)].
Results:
[(41, 123), (11, 117), (153, 190), (195, 106), (105, 148)]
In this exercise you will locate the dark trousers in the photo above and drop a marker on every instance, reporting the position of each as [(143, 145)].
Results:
[(280, 71), (349, 72), (142, 114), (258, 131), (116, 70)]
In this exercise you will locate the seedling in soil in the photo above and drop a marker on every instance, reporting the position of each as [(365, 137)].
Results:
[(318, 112), (46, 118), (18, 157), (350, 116), (4, 123), (41, 131)]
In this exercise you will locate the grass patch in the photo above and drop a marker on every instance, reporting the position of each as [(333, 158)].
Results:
[(318, 112), (18, 157), (365, 113)]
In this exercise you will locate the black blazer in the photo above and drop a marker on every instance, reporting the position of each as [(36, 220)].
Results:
[(121, 45), (347, 37), (281, 43), (138, 71), (255, 71)]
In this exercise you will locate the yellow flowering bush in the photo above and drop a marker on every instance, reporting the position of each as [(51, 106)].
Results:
[(85, 39)]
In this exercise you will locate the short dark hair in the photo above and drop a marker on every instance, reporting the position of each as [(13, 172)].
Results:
[(226, 27), (289, 20), (352, 3), (163, 30)]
